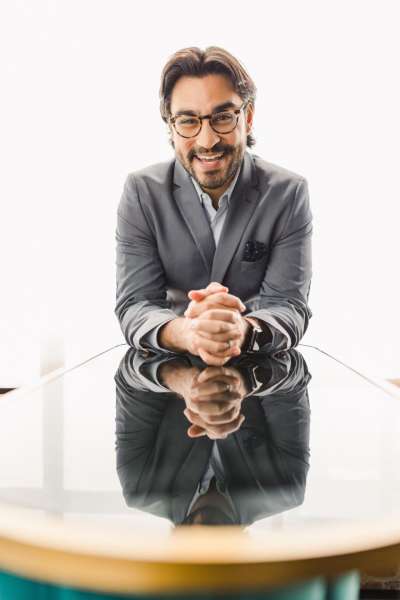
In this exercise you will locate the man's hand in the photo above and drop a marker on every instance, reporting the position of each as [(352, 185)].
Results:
[(178, 376), (217, 335), (213, 328), (214, 402), (215, 297), (212, 396)]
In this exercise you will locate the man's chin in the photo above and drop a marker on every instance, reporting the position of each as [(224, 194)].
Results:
[(211, 185), (212, 179)]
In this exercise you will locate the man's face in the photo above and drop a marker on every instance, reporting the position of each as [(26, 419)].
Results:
[(203, 95)]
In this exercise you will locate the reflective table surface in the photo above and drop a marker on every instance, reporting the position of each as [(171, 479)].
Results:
[(271, 469)]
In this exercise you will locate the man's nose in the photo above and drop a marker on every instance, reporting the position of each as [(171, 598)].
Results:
[(207, 137)]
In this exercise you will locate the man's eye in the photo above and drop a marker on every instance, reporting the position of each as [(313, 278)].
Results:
[(187, 121), (222, 117)]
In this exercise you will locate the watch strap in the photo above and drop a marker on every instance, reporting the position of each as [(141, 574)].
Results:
[(252, 336)]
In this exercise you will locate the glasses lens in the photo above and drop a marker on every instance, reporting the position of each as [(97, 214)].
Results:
[(223, 122), (187, 125)]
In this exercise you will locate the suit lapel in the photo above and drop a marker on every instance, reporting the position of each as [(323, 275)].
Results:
[(190, 207), (243, 202), (242, 205)]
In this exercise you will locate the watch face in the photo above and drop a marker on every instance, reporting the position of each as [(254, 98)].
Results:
[(254, 333), (252, 339)]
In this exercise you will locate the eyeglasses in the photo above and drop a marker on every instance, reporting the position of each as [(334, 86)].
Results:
[(189, 126)]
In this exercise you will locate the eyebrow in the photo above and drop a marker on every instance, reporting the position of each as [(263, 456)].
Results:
[(217, 108)]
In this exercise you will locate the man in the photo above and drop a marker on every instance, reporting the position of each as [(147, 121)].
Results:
[(216, 226)]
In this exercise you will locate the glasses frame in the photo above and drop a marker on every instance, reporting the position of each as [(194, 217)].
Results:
[(209, 117)]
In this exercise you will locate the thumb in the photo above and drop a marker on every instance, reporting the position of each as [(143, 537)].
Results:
[(196, 431), (212, 288), (198, 295)]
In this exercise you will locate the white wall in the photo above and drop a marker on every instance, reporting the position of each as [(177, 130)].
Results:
[(79, 110)]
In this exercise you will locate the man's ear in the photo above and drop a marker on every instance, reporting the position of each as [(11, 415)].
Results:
[(249, 117), (170, 135)]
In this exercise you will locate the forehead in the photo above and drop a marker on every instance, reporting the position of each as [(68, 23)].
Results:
[(202, 94)]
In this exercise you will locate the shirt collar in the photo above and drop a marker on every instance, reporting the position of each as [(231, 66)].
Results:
[(228, 191)]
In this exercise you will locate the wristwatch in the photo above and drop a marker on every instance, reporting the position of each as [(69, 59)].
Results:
[(251, 343), (248, 373)]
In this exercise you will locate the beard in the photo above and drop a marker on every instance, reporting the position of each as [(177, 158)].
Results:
[(220, 177)]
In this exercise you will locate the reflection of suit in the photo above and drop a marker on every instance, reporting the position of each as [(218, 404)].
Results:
[(165, 248), (265, 462)]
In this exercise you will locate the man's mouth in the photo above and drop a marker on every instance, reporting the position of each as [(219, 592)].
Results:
[(210, 161)]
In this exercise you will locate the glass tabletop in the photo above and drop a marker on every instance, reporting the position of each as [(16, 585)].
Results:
[(135, 443)]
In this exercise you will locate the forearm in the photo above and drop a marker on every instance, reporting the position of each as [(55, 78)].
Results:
[(140, 318)]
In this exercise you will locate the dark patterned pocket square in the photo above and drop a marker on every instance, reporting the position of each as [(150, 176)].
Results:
[(254, 250)]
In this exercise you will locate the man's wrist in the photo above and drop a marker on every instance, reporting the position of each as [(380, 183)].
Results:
[(247, 331), (167, 372), (263, 337), (172, 335), (251, 325)]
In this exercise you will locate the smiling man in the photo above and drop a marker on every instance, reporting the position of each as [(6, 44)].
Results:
[(213, 246), (212, 155)]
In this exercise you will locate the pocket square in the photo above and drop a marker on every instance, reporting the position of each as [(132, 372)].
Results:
[(254, 250)]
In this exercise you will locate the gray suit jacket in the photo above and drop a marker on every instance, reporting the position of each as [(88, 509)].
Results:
[(165, 248)]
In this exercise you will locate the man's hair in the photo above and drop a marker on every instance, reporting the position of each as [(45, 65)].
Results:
[(209, 515), (195, 62)]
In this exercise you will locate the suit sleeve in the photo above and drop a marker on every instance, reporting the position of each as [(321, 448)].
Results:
[(138, 418), (282, 302), (141, 298)]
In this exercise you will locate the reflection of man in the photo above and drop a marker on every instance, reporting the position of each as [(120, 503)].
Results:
[(216, 225), (217, 471)]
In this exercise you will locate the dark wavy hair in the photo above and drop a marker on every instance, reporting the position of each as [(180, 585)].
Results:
[(195, 62), (209, 515)]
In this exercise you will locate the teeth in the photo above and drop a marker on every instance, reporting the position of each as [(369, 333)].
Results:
[(210, 158)]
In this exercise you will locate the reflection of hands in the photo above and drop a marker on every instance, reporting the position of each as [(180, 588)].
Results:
[(217, 329), (213, 396), (213, 405)]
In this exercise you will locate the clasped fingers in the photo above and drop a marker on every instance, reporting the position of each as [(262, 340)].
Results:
[(218, 320), (218, 332)]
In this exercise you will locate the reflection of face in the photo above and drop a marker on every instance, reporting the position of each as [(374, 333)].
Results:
[(211, 508), (209, 515), (202, 95)]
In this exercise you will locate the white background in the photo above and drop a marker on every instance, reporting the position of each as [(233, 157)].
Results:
[(79, 110)]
